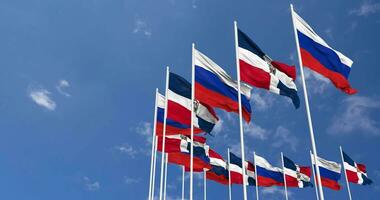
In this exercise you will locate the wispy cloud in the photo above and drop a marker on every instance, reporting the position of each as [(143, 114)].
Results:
[(145, 129), (316, 83), (42, 98), (142, 27), (130, 180), (256, 131), (194, 4), (62, 85), (366, 8), (91, 185), (355, 115), (262, 100), (283, 137), (274, 191), (127, 149)]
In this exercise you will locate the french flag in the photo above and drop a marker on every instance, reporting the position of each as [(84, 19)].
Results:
[(355, 172), (236, 171), (267, 175), (317, 55), (218, 171), (330, 173), (216, 88), (295, 175), (259, 70)]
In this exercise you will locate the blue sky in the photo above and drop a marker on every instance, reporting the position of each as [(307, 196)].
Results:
[(77, 88)]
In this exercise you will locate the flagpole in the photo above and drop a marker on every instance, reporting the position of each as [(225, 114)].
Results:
[(283, 172), (345, 174), (204, 184), (192, 120), (315, 179), (166, 174), (183, 182), (164, 133), (256, 180), (154, 164), (229, 175), (153, 145), (240, 112), (314, 148)]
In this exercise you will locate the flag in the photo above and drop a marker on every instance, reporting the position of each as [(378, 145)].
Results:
[(257, 69), (317, 55), (295, 175), (329, 171), (355, 172), (216, 88), (236, 171), (218, 171), (178, 143), (184, 159), (179, 107), (267, 175)]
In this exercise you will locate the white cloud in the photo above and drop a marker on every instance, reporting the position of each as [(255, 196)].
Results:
[(274, 191), (283, 137), (256, 131), (127, 149), (329, 33), (91, 185), (356, 116), (366, 8), (41, 97), (142, 27), (194, 4), (129, 180), (62, 84), (145, 129), (315, 82), (218, 127)]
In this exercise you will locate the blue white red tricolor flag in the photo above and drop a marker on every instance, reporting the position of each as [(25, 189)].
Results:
[(236, 171), (317, 55), (355, 172), (330, 172), (259, 70), (295, 175), (216, 88), (267, 175)]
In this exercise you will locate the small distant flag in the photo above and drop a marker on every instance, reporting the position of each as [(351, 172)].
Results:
[(295, 175), (355, 172), (216, 88), (184, 159), (259, 70), (236, 171), (267, 175), (317, 55), (218, 171), (330, 173), (178, 143)]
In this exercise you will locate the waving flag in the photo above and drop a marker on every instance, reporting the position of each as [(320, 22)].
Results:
[(179, 108), (236, 171), (330, 173), (295, 175), (216, 88), (267, 175), (178, 143), (355, 172), (317, 55), (218, 171), (257, 69)]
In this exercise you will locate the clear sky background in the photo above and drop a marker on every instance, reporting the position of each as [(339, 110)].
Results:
[(77, 82)]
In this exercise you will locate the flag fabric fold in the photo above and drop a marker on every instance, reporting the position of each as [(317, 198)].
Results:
[(295, 175), (317, 55), (355, 172), (267, 175), (216, 88), (218, 171), (236, 171), (330, 172)]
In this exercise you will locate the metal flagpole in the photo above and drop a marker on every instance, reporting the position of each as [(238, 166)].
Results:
[(240, 112), (314, 148), (229, 176), (153, 146), (345, 174), (166, 174), (204, 184), (256, 179), (183, 182), (154, 164), (192, 121), (164, 133), (315, 178), (283, 172)]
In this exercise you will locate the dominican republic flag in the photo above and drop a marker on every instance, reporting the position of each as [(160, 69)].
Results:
[(257, 69), (267, 175), (317, 55), (216, 88), (178, 143), (295, 175), (179, 109), (236, 171), (355, 172), (330, 173), (218, 171)]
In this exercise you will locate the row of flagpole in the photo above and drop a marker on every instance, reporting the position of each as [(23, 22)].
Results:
[(162, 190)]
